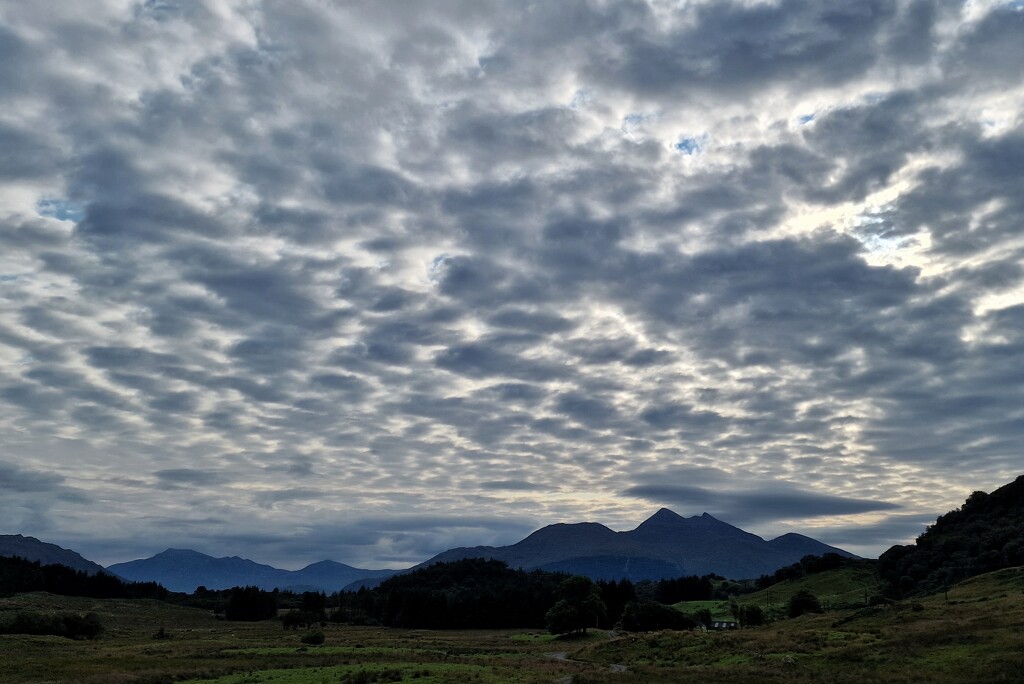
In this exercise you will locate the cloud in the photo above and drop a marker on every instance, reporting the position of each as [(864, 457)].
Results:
[(244, 291), (19, 480), (180, 477), (773, 502)]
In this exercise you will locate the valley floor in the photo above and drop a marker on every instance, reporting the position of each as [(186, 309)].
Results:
[(976, 634)]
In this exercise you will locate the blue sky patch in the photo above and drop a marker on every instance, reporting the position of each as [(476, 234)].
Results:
[(688, 146), (63, 210)]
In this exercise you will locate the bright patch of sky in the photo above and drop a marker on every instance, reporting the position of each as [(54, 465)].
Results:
[(688, 146), (63, 210)]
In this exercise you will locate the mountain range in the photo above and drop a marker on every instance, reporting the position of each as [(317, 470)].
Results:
[(185, 570), (664, 545)]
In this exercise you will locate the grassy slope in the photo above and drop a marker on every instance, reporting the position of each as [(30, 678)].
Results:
[(840, 588), (974, 636)]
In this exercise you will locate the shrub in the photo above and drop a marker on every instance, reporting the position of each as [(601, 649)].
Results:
[(313, 638), (70, 625), (802, 602)]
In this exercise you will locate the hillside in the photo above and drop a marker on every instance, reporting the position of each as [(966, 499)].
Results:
[(983, 535), (972, 637), (32, 549), (847, 587)]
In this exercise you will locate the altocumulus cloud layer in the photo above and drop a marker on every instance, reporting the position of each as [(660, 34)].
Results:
[(368, 280)]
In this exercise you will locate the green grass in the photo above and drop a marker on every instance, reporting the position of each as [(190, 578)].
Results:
[(836, 589), (719, 609), (974, 636)]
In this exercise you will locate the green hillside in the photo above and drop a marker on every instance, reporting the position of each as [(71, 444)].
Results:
[(840, 588), (847, 587)]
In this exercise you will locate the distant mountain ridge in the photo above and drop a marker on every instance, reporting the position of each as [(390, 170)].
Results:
[(664, 545), (46, 553), (185, 570)]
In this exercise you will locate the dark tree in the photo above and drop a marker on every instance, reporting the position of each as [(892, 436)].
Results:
[(750, 616), (579, 606), (615, 596), (251, 604), (802, 602), (650, 616)]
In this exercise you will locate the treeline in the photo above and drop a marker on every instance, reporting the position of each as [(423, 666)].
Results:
[(467, 594), (983, 535), (690, 588), (810, 565), (69, 625), (477, 594), (18, 575)]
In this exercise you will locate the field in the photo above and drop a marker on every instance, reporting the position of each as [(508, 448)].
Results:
[(974, 634)]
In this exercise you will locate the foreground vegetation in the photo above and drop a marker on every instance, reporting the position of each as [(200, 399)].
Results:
[(972, 634)]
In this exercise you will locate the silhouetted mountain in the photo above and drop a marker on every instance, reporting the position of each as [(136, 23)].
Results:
[(184, 570), (32, 549), (615, 567), (330, 576), (800, 545), (664, 545), (983, 535)]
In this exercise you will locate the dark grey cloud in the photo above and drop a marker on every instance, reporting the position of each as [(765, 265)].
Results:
[(26, 155), (738, 47), (15, 479), (773, 502)]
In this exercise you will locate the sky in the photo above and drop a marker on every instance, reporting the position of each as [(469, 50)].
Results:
[(369, 280)]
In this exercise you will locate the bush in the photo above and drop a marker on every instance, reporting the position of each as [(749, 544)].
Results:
[(750, 616), (802, 602), (313, 638), (70, 625)]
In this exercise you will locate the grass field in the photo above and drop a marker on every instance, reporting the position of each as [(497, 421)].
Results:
[(975, 635), (840, 588)]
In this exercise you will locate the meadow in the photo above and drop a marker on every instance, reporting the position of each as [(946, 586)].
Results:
[(974, 633)]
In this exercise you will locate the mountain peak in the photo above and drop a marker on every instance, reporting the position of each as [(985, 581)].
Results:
[(180, 553), (666, 518)]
